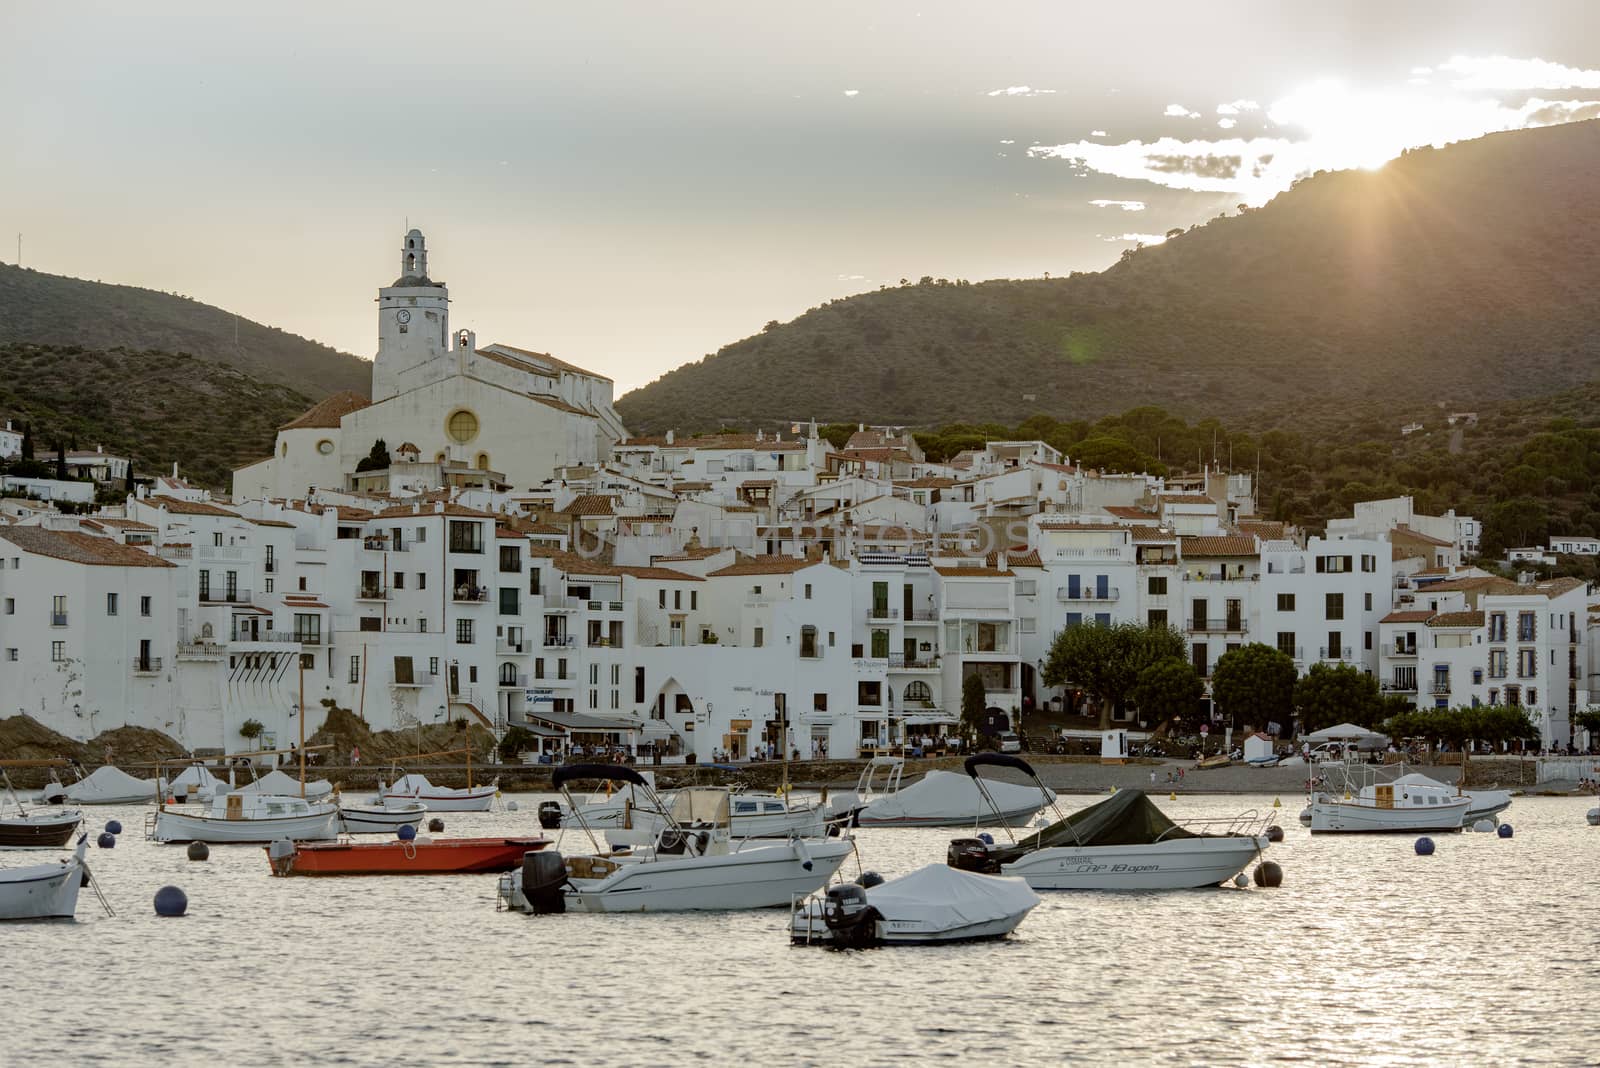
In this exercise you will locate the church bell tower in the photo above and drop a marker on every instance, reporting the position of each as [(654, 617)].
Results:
[(413, 325)]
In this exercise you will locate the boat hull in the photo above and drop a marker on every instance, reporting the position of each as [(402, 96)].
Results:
[(173, 826), (1343, 817), (767, 877), (812, 930), (1176, 864), (39, 831), (451, 856), (380, 819), (477, 799), (41, 892), (1017, 817)]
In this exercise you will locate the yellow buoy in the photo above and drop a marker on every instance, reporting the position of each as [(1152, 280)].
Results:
[(1173, 796), (1276, 803)]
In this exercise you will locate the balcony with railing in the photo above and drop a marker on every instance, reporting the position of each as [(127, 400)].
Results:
[(270, 566), (383, 544), (1402, 649), (1337, 652), (367, 592), (1219, 576), (201, 651), (882, 614), (901, 662), (58, 619), (513, 682), (419, 680), (922, 615), (602, 606), (1441, 684), (1402, 682), (1088, 593), (308, 637), (211, 595), (146, 665), (1224, 625), (469, 595), (505, 647), (559, 641)]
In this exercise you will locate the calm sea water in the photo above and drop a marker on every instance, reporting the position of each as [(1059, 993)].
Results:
[(1486, 953)]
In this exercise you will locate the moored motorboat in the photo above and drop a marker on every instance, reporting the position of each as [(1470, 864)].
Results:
[(110, 786), (753, 814), (1122, 843), (934, 904), (416, 787), (420, 856), (240, 819), (947, 799), (276, 782), (692, 864), (1482, 804), (38, 829), (1400, 804), (44, 891), (381, 819)]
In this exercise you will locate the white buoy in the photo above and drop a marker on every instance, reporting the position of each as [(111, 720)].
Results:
[(1483, 825), (1241, 880), (511, 806)]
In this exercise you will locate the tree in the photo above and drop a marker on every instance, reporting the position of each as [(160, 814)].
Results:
[(1333, 694), (250, 729), (516, 740), (1254, 684), (27, 441), (377, 459), (973, 700), (1106, 659), (1169, 691)]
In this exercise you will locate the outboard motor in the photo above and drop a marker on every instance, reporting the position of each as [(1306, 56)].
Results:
[(54, 794), (280, 854), (544, 874), (851, 921), (971, 854), (550, 815)]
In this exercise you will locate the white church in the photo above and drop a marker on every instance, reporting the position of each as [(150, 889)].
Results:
[(449, 412)]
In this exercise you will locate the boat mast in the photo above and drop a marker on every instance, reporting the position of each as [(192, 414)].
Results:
[(302, 727)]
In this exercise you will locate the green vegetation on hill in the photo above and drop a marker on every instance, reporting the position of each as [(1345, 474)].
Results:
[(49, 309), (155, 406), (1458, 275)]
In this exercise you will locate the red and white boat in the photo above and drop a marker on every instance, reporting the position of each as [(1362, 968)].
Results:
[(421, 856), (416, 787)]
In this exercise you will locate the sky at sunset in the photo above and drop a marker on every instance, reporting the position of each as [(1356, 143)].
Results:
[(631, 186)]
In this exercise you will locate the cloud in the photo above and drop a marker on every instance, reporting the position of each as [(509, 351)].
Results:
[(1125, 205), (1178, 111), (1506, 72), (1019, 90), (1008, 142), (1227, 124), (1097, 133), (1323, 126), (1236, 106), (852, 92)]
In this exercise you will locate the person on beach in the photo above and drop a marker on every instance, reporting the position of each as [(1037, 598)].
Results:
[(355, 756)]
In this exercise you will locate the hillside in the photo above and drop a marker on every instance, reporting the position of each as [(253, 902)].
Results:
[(54, 310), (155, 406), (1461, 274)]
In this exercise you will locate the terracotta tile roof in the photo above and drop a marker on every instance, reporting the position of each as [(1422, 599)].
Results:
[(925, 482), (1558, 586), (346, 513), (591, 504), (697, 552), (715, 442), (877, 456), (299, 604), (178, 506), (1123, 511), (762, 565), (1186, 498), (1420, 616), (691, 487), (1425, 572), (1404, 531), (973, 572), (117, 524), (1266, 529), (1457, 619), (1066, 469), (430, 508), (1480, 584), (506, 532), (1023, 558), (507, 360), (1141, 533), (269, 523), (574, 564), (758, 482), (1227, 545), (560, 405), (328, 411), (79, 548)]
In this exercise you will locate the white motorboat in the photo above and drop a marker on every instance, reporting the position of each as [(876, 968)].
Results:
[(44, 891), (276, 782), (1593, 816), (753, 815), (381, 819), (1122, 843), (934, 904), (609, 807), (246, 819), (107, 786), (1388, 808), (416, 787), (944, 799), (1482, 804), (693, 864), (195, 783)]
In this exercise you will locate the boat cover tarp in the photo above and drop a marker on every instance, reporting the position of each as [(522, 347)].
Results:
[(277, 783), (111, 786), (1349, 732), (946, 795), (206, 784), (945, 898), (1127, 817)]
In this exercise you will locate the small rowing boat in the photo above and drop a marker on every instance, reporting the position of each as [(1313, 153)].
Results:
[(420, 856)]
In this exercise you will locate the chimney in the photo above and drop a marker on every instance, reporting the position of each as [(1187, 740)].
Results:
[(669, 437), (99, 448)]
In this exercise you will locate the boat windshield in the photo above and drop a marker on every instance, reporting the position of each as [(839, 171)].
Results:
[(700, 806)]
